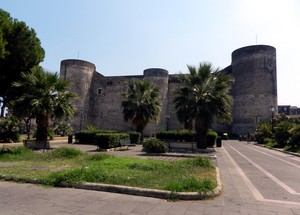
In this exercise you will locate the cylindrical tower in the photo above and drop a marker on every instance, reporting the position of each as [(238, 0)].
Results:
[(80, 73), (254, 88), (160, 78)]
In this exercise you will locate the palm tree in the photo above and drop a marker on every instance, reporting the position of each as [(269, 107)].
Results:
[(141, 104), (47, 98), (203, 97)]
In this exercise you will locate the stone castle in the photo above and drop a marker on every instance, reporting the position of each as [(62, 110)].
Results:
[(254, 92)]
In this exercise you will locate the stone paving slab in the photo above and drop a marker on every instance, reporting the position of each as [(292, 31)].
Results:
[(31, 199)]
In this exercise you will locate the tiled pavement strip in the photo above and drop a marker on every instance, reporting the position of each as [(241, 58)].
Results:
[(236, 198)]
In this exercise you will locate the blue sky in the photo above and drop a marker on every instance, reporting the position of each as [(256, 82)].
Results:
[(124, 37)]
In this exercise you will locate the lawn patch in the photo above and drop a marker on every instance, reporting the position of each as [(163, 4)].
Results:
[(67, 167)]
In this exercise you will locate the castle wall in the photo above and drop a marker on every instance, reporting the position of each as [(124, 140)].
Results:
[(105, 106), (254, 88), (254, 91)]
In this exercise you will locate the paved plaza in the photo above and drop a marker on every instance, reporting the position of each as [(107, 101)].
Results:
[(237, 196)]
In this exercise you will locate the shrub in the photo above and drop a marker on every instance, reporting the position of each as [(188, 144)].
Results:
[(122, 135), (86, 136), (50, 133), (107, 140), (153, 145), (269, 142), (89, 136), (9, 129), (63, 128), (211, 138), (166, 135), (6, 150), (186, 135), (135, 137), (282, 133), (10, 136), (264, 130), (177, 135), (294, 142), (104, 139)]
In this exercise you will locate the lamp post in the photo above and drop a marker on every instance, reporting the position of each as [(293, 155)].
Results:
[(272, 120)]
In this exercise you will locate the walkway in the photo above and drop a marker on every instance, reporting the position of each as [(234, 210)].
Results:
[(236, 199)]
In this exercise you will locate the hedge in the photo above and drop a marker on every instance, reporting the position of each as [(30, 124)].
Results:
[(135, 137), (211, 138), (176, 135), (186, 135), (86, 136), (104, 140)]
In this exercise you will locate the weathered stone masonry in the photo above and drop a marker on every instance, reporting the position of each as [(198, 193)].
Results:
[(254, 91)]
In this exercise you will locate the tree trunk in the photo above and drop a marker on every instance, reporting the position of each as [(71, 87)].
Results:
[(42, 128), (201, 133), (140, 129), (28, 127)]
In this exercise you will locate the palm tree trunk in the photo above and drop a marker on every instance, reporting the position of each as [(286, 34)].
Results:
[(201, 134), (28, 126), (140, 129), (42, 128)]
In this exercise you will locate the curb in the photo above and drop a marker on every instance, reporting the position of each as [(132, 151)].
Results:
[(188, 155), (162, 194), (278, 150)]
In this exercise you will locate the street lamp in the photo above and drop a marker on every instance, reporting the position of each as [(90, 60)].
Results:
[(272, 121)]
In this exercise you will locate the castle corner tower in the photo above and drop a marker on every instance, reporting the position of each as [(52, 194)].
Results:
[(254, 88)]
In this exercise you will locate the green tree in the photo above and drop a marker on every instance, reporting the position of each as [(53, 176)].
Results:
[(9, 129), (203, 97), (20, 51), (141, 104), (264, 131), (294, 141), (47, 96), (5, 28), (26, 114), (282, 133)]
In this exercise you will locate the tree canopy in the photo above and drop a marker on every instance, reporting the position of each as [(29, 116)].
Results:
[(20, 51), (141, 104), (203, 97), (44, 96)]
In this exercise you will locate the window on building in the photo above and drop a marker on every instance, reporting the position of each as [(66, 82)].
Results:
[(99, 91), (109, 83)]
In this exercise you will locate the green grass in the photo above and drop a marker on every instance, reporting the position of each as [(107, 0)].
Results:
[(69, 166)]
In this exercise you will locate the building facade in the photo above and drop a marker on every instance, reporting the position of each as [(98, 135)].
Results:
[(254, 92), (289, 110)]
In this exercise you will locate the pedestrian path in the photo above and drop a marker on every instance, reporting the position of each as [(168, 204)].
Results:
[(236, 198)]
